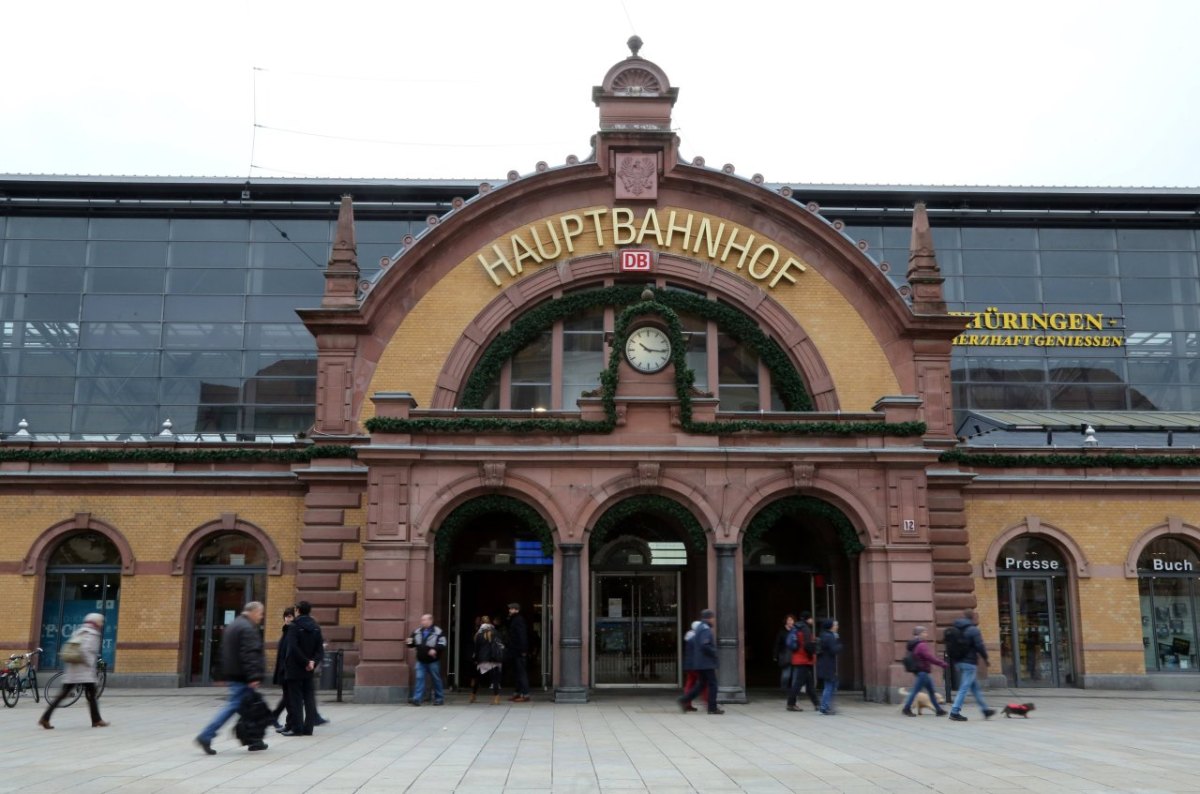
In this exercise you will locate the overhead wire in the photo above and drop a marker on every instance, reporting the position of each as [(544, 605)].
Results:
[(387, 142)]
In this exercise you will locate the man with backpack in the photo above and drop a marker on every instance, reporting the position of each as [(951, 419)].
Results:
[(803, 647), (964, 646), (700, 654), (918, 661), (243, 665)]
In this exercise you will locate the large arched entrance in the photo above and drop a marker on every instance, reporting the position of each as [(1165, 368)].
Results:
[(798, 556), (490, 552), (83, 575), (647, 562)]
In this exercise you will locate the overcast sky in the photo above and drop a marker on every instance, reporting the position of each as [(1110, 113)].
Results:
[(1042, 93)]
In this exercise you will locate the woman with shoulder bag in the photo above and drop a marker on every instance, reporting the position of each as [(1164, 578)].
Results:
[(80, 653), (489, 653)]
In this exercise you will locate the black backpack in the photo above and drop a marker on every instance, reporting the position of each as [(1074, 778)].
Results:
[(958, 644), (910, 661), (253, 718)]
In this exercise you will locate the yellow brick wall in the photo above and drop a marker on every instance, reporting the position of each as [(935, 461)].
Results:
[(1105, 529), (417, 351), (150, 605)]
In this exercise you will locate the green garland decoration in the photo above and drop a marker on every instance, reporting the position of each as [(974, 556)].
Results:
[(152, 455), (1113, 460), (648, 503), (802, 507), (525, 329), (467, 512), (540, 319)]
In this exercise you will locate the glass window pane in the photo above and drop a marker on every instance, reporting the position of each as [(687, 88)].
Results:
[(532, 363), (1020, 370), (215, 229), (202, 363), (43, 389), (231, 548), (86, 548), (991, 237), (113, 363), (200, 391), (999, 263), (1008, 396), (43, 279), (1160, 290), (1155, 240), (104, 336), (42, 418), (116, 391), (278, 419), (289, 336), (45, 253), (1090, 370), (1090, 398), (116, 419), (736, 364), (130, 308), (208, 308), (739, 398), (1080, 290), (1001, 290), (207, 281), (1078, 263), (298, 256), (1078, 239), (1161, 318), (281, 391), (274, 309), (294, 281), (221, 336), (46, 362), (214, 254), (52, 228), (40, 307), (290, 363), (526, 398), (1158, 263), (128, 229), (123, 254), (273, 231), (125, 280)]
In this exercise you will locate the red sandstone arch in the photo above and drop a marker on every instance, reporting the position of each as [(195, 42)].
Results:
[(1033, 526), (750, 299), (627, 485), (35, 561), (458, 235), (1173, 526), (181, 563), (870, 528), (468, 487)]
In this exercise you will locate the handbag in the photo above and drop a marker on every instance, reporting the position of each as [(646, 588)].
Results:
[(72, 652)]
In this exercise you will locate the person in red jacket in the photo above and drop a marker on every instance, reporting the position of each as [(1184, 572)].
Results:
[(924, 659), (803, 646)]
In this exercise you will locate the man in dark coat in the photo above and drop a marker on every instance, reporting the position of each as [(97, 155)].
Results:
[(966, 662), (700, 654), (518, 647), (827, 656), (304, 648), (243, 665)]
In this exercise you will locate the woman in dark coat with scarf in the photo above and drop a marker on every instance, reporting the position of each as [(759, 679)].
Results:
[(827, 654), (278, 680)]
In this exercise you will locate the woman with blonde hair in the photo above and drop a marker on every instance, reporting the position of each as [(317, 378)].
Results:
[(489, 653)]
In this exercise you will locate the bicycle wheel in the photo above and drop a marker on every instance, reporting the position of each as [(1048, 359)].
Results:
[(10, 690), (101, 681), (33, 687), (72, 695)]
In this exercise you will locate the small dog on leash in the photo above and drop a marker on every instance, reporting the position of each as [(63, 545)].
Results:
[(922, 701), (1018, 710)]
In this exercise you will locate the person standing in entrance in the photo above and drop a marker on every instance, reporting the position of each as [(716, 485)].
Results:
[(827, 656), (518, 647), (488, 656), (82, 672), (429, 642), (700, 654), (305, 647), (243, 665), (783, 653), (923, 659), (803, 645), (964, 645)]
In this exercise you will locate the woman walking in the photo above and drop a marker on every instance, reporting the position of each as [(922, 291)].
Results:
[(489, 653), (82, 672)]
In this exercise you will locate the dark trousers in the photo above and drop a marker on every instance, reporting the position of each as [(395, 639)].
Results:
[(302, 705), (490, 679), (802, 676), (283, 699), (704, 678), (89, 692), (521, 674)]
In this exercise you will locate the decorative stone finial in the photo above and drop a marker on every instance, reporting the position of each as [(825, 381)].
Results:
[(924, 275), (22, 429), (166, 429), (647, 294), (1089, 437), (635, 44)]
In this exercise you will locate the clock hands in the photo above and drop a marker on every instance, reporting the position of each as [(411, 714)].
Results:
[(650, 349)]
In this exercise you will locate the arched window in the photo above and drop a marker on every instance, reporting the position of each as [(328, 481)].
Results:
[(1167, 588), (83, 575), (1033, 591), (553, 371)]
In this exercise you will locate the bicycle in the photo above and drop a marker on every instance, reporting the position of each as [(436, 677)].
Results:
[(14, 682), (77, 689)]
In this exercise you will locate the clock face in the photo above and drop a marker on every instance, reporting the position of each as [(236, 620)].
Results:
[(648, 349)]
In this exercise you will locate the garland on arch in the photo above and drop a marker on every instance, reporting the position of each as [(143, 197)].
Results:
[(467, 512), (622, 511), (807, 507)]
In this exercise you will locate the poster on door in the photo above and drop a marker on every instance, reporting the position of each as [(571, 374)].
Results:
[(73, 613)]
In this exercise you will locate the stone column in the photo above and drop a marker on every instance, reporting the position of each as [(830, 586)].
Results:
[(729, 676), (570, 687)]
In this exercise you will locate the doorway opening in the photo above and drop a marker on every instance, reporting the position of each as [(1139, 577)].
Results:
[(795, 560), (1034, 608), (491, 559), (648, 578), (229, 571), (83, 575)]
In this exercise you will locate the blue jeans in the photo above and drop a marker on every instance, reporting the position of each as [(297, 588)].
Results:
[(922, 681), (419, 690), (827, 694), (967, 680), (237, 691)]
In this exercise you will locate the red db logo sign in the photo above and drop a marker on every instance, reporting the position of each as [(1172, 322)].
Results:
[(636, 261)]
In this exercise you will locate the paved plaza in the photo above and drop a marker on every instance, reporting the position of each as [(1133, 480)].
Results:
[(1075, 741)]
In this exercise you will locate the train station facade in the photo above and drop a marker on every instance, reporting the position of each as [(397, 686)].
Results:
[(617, 391)]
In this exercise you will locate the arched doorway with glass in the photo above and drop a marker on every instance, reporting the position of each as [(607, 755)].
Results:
[(229, 570), (648, 563), (1033, 593), (83, 575), (1168, 589), (490, 552), (796, 557)]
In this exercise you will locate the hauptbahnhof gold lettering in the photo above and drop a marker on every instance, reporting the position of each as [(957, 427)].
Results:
[(992, 319), (715, 240)]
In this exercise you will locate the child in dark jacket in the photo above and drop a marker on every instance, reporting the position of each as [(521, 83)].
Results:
[(925, 660)]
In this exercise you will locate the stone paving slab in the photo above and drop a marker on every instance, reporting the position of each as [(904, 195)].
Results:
[(1130, 742)]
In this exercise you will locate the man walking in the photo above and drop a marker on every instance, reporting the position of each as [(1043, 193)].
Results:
[(518, 646), (923, 660), (964, 644), (243, 665), (701, 655), (429, 642), (827, 663), (304, 649), (803, 647)]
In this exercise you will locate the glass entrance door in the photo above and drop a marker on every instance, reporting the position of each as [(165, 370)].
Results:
[(1035, 641), (636, 632), (217, 599)]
